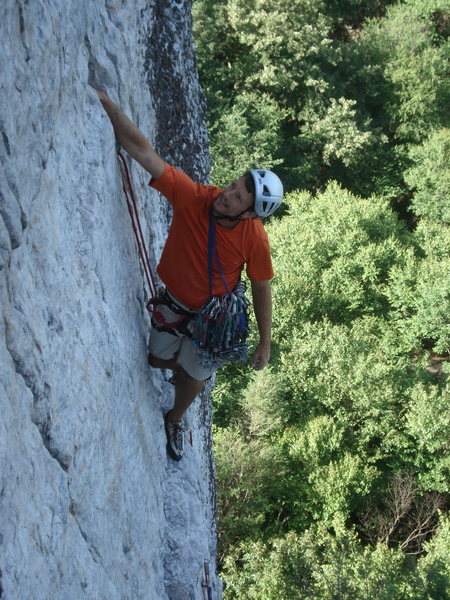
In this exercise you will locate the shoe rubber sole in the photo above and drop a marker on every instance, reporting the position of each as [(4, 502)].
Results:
[(170, 451)]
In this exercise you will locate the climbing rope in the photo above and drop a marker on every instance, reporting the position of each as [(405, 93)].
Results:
[(135, 221)]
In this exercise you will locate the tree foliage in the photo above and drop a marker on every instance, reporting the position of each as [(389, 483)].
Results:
[(333, 464), (320, 566), (353, 416), (429, 177), (324, 89)]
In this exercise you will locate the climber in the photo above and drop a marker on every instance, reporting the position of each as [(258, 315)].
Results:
[(241, 240)]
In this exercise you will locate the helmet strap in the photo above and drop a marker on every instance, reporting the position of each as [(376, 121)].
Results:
[(221, 216)]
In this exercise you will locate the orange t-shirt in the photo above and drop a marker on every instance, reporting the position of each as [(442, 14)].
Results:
[(183, 267)]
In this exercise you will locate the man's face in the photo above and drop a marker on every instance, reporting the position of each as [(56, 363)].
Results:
[(234, 200)]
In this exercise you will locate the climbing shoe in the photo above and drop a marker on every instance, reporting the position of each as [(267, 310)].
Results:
[(175, 438)]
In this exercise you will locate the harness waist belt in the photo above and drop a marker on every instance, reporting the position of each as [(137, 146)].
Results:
[(168, 300)]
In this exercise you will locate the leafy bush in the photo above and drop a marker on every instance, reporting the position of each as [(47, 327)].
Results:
[(352, 418), (333, 464), (320, 566), (430, 177)]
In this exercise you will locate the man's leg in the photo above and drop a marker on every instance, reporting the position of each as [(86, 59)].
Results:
[(186, 390), (186, 387), (163, 363)]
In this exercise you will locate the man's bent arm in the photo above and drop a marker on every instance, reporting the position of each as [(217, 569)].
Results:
[(131, 138), (262, 305)]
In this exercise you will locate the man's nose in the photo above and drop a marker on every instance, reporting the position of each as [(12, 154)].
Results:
[(230, 195)]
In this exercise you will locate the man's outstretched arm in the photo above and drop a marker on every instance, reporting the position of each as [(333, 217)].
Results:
[(262, 305), (131, 138)]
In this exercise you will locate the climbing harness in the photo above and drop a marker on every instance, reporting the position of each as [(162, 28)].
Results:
[(135, 221), (177, 327), (221, 325)]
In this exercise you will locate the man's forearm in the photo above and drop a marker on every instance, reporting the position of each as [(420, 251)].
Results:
[(262, 306), (131, 138)]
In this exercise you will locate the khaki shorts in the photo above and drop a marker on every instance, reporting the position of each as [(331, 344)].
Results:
[(173, 343)]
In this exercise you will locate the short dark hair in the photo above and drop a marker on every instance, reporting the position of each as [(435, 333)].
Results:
[(250, 186)]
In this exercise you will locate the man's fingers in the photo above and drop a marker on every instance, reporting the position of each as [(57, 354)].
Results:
[(100, 93), (259, 363)]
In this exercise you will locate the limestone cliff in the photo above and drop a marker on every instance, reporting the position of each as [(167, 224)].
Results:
[(90, 505)]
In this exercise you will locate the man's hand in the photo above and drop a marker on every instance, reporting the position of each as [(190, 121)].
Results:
[(262, 305), (131, 138), (261, 357), (103, 96)]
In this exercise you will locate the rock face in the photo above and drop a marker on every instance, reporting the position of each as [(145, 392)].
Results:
[(90, 505)]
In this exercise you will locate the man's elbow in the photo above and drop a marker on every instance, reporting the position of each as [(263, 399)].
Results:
[(261, 285), (150, 161)]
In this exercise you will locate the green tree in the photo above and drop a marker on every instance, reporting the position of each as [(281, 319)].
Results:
[(434, 566), (245, 479), (332, 257), (320, 566), (273, 52), (346, 412), (419, 294), (341, 98), (244, 137), (413, 37), (429, 177), (333, 465)]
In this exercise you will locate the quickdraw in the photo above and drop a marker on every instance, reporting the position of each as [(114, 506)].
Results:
[(221, 328), (221, 325)]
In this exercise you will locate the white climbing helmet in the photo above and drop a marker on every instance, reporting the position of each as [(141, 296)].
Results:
[(268, 192)]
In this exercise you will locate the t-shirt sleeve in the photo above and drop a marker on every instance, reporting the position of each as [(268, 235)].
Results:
[(179, 188), (259, 264), (174, 185)]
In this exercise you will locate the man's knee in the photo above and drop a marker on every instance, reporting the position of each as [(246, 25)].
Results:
[(153, 361), (161, 363), (182, 373)]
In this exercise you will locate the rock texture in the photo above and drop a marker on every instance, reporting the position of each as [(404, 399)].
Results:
[(90, 505)]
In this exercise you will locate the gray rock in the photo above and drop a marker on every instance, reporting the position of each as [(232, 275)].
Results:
[(90, 505)]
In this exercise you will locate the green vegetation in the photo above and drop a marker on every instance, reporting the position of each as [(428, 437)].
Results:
[(316, 88), (333, 464)]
